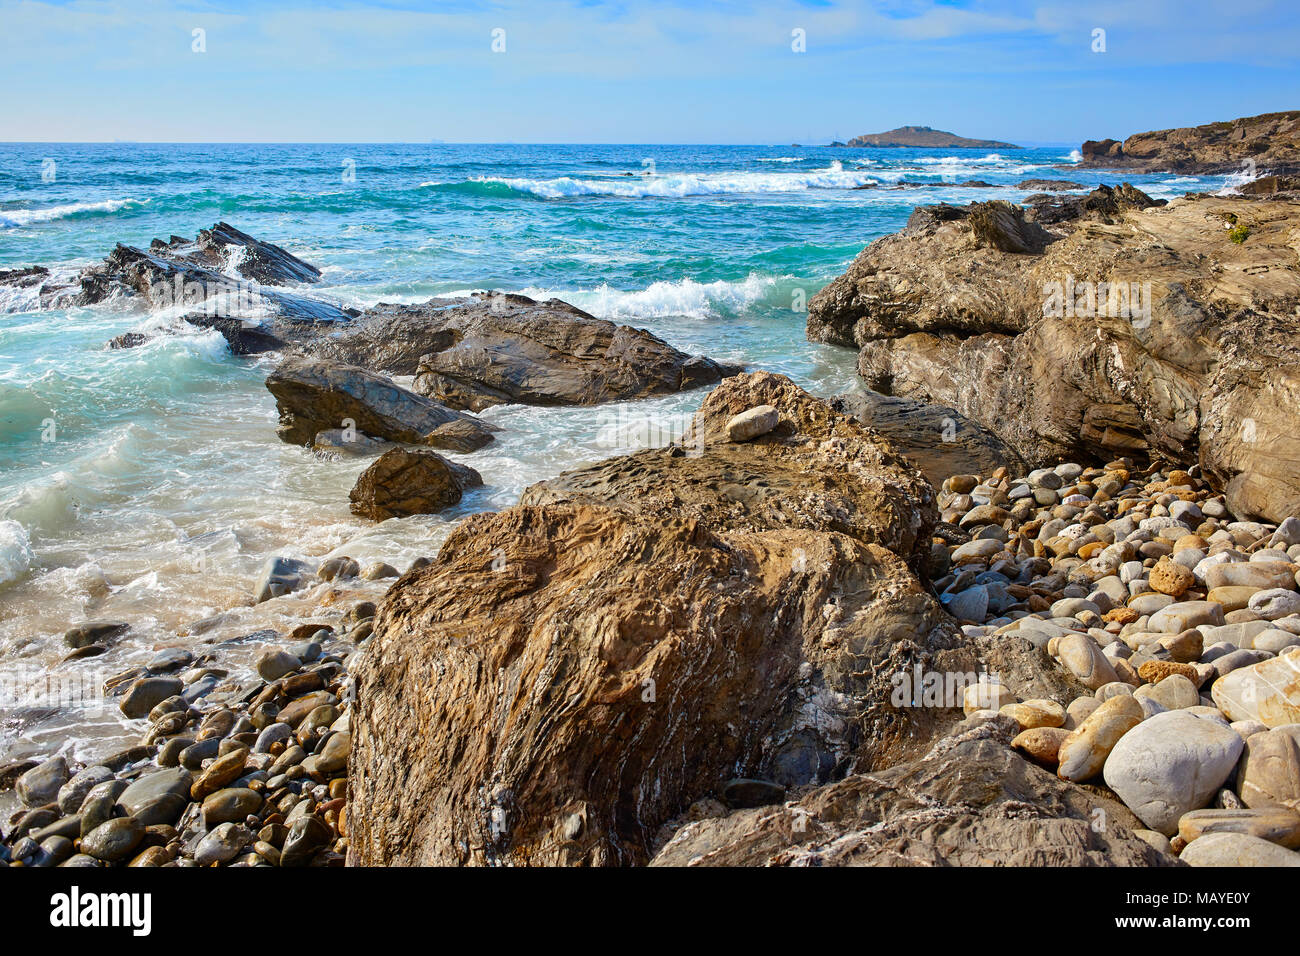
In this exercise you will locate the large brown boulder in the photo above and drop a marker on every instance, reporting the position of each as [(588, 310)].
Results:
[(1139, 330), (410, 481), (316, 395), (572, 673), (971, 801), (491, 349)]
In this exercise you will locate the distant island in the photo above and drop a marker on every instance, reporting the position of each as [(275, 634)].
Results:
[(924, 136)]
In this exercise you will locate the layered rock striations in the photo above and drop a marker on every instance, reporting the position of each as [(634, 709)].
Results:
[(1087, 327)]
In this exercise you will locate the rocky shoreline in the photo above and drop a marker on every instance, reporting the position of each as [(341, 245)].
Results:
[(1034, 600), (1124, 650)]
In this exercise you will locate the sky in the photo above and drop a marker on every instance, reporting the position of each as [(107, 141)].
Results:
[(636, 71)]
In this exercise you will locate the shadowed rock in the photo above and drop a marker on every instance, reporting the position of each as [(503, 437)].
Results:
[(315, 395), (941, 440), (971, 801)]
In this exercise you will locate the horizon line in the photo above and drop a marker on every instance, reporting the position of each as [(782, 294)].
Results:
[(1027, 144)]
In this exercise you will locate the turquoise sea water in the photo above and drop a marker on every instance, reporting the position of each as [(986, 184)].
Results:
[(147, 485)]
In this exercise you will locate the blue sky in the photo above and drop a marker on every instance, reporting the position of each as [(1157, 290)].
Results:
[(641, 72)]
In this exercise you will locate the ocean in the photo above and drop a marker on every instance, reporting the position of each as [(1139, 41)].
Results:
[(147, 485)]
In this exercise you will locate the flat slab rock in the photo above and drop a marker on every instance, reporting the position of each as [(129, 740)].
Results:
[(317, 395), (491, 349)]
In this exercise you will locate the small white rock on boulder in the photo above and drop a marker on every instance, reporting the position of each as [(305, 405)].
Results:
[(1170, 764), (752, 422)]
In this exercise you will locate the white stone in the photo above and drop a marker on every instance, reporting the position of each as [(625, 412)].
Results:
[(752, 423), (1169, 764)]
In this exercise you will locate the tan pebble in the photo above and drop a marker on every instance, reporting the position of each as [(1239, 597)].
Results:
[(1233, 597), (1121, 615), (1037, 712), (1041, 744), (1185, 647), (1274, 824), (1170, 578), (1175, 692), (1079, 710), (1084, 659), (985, 696), (1156, 839), (1084, 752), (1126, 672), (1090, 549)]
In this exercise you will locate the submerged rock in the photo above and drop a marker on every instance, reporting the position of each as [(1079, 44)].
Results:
[(410, 481)]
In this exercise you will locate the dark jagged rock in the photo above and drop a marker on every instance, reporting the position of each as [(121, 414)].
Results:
[(316, 395), (222, 277), (225, 247), (1179, 338), (24, 277), (1050, 185), (1268, 143), (492, 349), (220, 301)]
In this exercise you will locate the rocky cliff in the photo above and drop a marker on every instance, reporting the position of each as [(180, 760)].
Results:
[(1269, 143), (1090, 327)]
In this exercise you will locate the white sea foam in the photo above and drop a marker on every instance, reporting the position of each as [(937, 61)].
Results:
[(11, 218), (990, 160), (15, 551), (677, 185), (780, 159), (28, 298), (683, 297), (1075, 156), (1233, 182)]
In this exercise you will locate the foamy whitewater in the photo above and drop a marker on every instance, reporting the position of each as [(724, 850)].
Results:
[(147, 485)]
